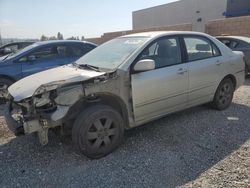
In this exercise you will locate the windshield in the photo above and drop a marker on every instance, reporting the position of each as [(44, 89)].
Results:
[(246, 39), (18, 52), (113, 53)]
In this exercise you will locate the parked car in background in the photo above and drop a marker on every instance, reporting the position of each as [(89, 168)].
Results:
[(124, 83), (38, 57), (238, 43), (13, 47)]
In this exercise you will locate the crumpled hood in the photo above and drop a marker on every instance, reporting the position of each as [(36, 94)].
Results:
[(26, 87)]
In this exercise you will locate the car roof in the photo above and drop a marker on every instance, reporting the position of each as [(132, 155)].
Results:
[(62, 42), (163, 33), (22, 42), (246, 39)]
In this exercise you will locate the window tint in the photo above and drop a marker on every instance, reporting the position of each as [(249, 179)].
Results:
[(216, 51), (85, 48), (234, 44), (23, 45), (242, 44), (13, 48), (199, 48), (42, 53), (165, 52), (226, 42), (51, 52), (79, 49)]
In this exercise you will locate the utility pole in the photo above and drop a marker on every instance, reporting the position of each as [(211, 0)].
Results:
[(1, 42)]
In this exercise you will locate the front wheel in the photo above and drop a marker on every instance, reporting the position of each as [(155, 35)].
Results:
[(224, 95), (98, 131)]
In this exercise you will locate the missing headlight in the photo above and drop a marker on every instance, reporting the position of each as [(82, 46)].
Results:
[(47, 108), (45, 102)]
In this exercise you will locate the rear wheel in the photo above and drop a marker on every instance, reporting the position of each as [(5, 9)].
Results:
[(98, 131), (224, 95), (4, 84)]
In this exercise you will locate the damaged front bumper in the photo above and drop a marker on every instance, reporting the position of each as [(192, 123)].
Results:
[(20, 123), (44, 110), (14, 124)]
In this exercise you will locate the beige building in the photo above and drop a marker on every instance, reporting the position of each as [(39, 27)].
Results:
[(215, 17), (195, 12)]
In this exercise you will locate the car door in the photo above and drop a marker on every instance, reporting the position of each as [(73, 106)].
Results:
[(164, 89), (205, 66), (244, 47), (45, 58)]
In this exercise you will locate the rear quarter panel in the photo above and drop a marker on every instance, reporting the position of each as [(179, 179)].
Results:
[(237, 66), (233, 63), (247, 57)]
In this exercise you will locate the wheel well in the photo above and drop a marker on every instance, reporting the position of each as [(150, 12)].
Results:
[(110, 100), (232, 77)]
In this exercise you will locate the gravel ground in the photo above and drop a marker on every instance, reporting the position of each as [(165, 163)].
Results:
[(199, 147)]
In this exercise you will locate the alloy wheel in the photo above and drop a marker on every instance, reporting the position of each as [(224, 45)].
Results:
[(102, 133), (225, 94)]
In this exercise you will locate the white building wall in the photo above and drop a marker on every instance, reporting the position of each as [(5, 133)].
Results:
[(180, 12)]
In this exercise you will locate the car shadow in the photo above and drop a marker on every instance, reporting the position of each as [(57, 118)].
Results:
[(168, 152), (2, 109)]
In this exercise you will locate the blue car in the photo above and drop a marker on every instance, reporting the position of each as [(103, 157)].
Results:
[(38, 57)]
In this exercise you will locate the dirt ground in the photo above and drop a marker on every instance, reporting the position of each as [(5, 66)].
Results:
[(199, 147)]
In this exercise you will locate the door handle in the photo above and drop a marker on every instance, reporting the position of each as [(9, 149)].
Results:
[(181, 71), (218, 62)]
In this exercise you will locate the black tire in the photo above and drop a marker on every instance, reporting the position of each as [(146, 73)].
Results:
[(98, 131), (4, 84), (224, 94), (247, 71)]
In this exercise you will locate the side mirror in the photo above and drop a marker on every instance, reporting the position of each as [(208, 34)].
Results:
[(7, 50), (144, 65), (31, 58)]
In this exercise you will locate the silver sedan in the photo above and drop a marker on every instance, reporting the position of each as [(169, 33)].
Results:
[(124, 83)]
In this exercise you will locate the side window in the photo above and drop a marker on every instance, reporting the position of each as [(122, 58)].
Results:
[(13, 48), (43, 53), (23, 45), (87, 48), (234, 44), (165, 52), (76, 50), (199, 48), (216, 51), (226, 42), (66, 51), (242, 45)]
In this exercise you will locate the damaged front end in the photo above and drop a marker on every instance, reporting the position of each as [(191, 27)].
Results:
[(44, 110)]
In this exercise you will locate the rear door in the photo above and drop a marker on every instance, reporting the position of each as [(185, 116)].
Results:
[(205, 65), (238, 45), (163, 90)]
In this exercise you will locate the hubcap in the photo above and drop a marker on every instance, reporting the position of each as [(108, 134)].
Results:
[(102, 133), (225, 94)]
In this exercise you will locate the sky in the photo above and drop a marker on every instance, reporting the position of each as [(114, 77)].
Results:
[(88, 18)]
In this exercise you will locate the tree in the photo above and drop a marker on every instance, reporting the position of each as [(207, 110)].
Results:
[(59, 36), (52, 38), (83, 38), (44, 38), (72, 38)]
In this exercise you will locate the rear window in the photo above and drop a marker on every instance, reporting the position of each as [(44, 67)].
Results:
[(199, 48)]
